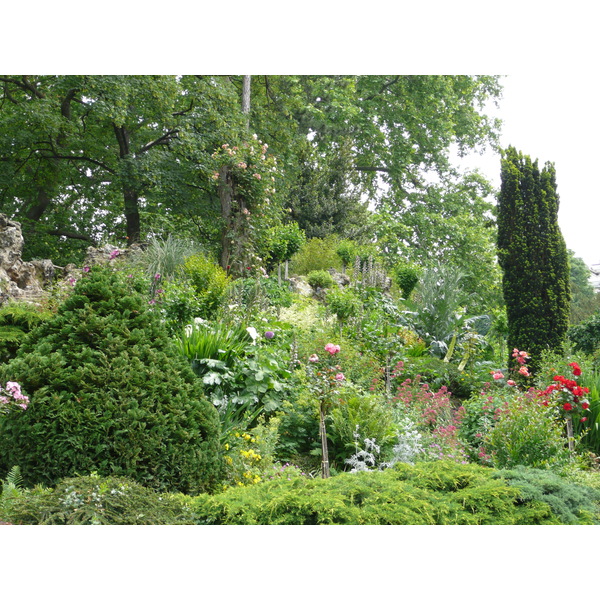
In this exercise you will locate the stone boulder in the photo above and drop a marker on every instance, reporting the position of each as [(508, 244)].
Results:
[(20, 280)]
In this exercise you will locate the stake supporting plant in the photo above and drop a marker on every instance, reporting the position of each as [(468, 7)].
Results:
[(324, 381)]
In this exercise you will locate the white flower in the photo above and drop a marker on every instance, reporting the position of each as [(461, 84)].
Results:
[(252, 333)]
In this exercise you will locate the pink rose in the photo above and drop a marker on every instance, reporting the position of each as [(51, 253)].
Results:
[(340, 377), (313, 358), (510, 382)]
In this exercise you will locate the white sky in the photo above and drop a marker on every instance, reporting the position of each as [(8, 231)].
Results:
[(555, 118)]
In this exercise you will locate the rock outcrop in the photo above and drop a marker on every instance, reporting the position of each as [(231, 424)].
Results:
[(20, 280)]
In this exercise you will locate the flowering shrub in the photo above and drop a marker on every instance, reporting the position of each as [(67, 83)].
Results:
[(525, 432), (566, 394), (435, 417), (13, 398)]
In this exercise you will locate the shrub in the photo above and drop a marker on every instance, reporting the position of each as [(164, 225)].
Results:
[(406, 277), (17, 319), (365, 413), (320, 279), (424, 494), (316, 255), (526, 433), (109, 393), (570, 502), (95, 500), (343, 304), (209, 281), (586, 335)]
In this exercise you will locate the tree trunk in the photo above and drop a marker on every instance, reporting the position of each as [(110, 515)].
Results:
[(132, 215), (246, 99), (570, 434), (324, 449), (226, 199)]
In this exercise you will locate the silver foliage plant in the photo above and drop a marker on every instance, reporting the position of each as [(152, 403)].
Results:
[(406, 450)]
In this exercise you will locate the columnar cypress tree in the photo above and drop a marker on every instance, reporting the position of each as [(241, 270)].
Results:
[(533, 256)]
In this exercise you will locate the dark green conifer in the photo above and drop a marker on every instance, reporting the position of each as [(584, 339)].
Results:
[(109, 393), (533, 256)]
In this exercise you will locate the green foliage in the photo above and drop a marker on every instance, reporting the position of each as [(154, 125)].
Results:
[(316, 255), (320, 279), (95, 500), (209, 281), (298, 428), (285, 241), (533, 257), (572, 503), (164, 256), (406, 277), (109, 393), (252, 295), (586, 335), (526, 433), (16, 320), (365, 414), (585, 301), (203, 342), (480, 416), (179, 304), (440, 493), (343, 303)]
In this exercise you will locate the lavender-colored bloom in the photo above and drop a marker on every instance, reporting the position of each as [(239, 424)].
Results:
[(269, 335)]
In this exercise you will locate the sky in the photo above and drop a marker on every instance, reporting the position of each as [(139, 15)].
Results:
[(553, 118)]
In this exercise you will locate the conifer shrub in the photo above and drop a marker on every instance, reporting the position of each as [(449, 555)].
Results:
[(320, 279), (17, 319), (109, 393), (95, 500), (571, 502), (440, 493)]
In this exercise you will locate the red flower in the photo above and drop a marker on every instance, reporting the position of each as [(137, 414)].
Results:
[(576, 369), (585, 405), (567, 406), (583, 419)]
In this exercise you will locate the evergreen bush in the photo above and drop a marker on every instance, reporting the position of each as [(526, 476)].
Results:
[(95, 500), (109, 393), (533, 257), (441, 493), (320, 279)]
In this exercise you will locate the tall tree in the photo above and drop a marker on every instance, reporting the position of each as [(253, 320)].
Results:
[(533, 256)]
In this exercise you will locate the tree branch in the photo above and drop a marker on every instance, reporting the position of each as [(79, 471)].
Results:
[(165, 139), (72, 235)]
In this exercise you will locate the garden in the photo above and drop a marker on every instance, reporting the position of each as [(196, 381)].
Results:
[(223, 332), (156, 389)]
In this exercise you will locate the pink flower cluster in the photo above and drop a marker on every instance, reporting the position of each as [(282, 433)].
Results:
[(521, 356), (332, 348), (13, 389)]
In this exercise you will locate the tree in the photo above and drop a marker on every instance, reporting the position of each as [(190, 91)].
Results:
[(533, 256), (584, 301)]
